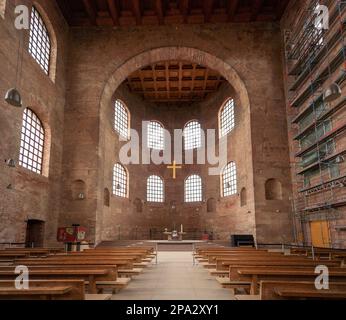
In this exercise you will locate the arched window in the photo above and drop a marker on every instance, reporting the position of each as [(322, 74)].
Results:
[(155, 189), (120, 181), (193, 189), (227, 120), (273, 189), (39, 41), (32, 142), (229, 180), (192, 135), (155, 135), (121, 119)]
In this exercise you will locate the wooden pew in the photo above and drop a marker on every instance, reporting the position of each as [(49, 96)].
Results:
[(57, 289), (283, 290), (91, 275), (120, 263), (257, 274), (114, 284)]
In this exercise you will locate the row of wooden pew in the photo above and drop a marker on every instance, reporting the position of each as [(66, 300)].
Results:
[(264, 274), (55, 274)]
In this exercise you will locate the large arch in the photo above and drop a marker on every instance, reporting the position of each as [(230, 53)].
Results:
[(121, 71), (173, 53)]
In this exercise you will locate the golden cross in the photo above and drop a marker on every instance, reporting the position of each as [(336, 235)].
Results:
[(174, 167)]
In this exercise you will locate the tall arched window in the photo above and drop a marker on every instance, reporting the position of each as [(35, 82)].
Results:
[(120, 181), (39, 41), (155, 135), (192, 135), (155, 191), (193, 189), (227, 120), (121, 119), (229, 180), (32, 142)]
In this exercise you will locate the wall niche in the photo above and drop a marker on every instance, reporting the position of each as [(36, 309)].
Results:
[(273, 189), (78, 189)]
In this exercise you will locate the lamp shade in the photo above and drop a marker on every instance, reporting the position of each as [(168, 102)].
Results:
[(13, 98), (11, 163), (332, 93)]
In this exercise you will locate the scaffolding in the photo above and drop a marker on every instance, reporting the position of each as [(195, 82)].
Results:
[(316, 60)]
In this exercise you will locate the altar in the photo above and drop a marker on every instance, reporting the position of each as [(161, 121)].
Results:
[(175, 235)]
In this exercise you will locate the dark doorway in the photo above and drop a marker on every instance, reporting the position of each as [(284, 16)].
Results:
[(34, 234)]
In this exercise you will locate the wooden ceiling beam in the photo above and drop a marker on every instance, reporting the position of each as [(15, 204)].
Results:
[(136, 9), (208, 6), (90, 10), (114, 12), (256, 8), (159, 11), (232, 9)]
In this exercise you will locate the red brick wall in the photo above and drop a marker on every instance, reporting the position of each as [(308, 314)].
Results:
[(32, 196)]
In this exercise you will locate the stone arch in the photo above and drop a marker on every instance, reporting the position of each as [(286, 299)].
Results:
[(273, 189), (171, 53)]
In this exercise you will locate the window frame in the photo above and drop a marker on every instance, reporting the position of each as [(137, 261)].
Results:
[(151, 144), (36, 148), (125, 194), (188, 196), (39, 32), (233, 178), (231, 118), (155, 197), (119, 102), (193, 138)]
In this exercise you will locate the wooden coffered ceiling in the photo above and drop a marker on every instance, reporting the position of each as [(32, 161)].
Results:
[(174, 81), (155, 12)]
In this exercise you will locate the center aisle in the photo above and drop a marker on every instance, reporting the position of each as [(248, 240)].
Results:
[(174, 278)]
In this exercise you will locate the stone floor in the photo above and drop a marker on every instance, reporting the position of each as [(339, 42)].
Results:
[(174, 278)]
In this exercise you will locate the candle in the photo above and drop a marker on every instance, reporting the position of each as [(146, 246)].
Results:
[(181, 228)]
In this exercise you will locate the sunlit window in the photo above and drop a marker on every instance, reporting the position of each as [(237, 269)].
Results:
[(121, 119), (32, 142), (192, 135), (227, 120), (155, 135), (193, 189), (120, 181), (229, 180), (39, 41), (155, 191)]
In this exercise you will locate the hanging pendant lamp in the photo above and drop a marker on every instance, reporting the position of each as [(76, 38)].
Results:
[(13, 96), (332, 93)]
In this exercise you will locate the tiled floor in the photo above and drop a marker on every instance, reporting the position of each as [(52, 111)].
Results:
[(174, 278)]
